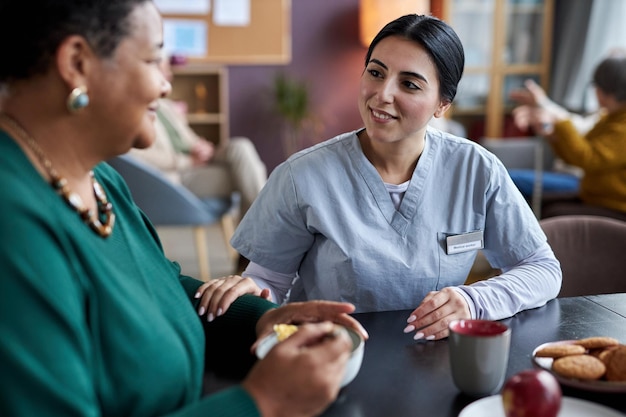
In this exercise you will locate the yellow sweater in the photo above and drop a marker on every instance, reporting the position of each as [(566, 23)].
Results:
[(601, 153)]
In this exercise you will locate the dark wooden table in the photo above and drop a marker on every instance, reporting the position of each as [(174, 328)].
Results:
[(401, 377)]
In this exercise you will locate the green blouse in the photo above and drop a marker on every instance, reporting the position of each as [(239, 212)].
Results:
[(102, 327)]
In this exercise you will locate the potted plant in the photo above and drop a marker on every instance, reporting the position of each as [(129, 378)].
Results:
[(292, 104)]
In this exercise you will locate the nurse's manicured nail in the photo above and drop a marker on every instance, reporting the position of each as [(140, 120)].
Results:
[(418, 336)]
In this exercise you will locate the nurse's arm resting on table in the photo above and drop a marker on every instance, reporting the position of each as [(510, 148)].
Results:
[(494, 299), (505, 294)]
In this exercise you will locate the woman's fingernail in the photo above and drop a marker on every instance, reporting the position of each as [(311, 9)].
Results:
[(219, 312), (431, 337), (418, 336), (198, 294), (411, 319), (201, 310), (210, 317), (409, 328)]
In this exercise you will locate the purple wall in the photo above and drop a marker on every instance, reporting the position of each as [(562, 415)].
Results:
[(327, 55)]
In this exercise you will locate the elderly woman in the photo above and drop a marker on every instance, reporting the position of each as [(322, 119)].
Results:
[(95, 320)]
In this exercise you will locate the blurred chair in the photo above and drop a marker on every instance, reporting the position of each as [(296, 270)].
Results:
[(567, 207), (169, 204), (530, 161), (591, 252)]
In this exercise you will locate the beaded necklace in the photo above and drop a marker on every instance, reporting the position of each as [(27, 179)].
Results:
[(102, 222)]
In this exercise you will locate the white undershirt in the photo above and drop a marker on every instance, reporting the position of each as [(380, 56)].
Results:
[(396, 192)]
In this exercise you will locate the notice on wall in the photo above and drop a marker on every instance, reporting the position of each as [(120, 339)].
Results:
[(185, 37), (231, 12), (199, 7)]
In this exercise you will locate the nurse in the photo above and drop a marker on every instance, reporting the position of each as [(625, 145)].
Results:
[(391, 216)]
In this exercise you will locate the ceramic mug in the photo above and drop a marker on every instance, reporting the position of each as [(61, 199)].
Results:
[(479, 355)]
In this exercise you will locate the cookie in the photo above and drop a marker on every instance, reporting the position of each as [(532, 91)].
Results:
[(283, 331), (603, 354), (585, 367), (558, 350), (616, 367), (597, 342)]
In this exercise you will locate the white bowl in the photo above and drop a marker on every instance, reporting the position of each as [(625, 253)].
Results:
[(354, 363)]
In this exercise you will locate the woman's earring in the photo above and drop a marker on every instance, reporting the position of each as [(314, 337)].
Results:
[(77, 99)]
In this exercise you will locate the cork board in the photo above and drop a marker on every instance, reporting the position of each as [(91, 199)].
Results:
[(265, 40)]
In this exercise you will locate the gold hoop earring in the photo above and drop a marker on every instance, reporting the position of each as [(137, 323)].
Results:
[(78, 99)]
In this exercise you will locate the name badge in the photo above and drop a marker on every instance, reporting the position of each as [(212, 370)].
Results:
[(464, 242)]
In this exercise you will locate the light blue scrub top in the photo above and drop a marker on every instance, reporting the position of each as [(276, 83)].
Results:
[(326, 213)]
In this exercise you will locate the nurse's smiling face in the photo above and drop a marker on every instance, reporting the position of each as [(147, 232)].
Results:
[(399, 91)]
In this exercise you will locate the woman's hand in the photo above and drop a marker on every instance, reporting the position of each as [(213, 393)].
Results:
[(530, 95), (431, 318), (201, 152), (309, 312), (218, 294), (301, 375), (540, 120)]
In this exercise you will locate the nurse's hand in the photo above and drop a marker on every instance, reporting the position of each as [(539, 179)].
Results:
[(218, 294), (431, 318)]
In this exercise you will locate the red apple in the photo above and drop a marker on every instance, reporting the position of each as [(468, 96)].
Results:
[(533, 392)]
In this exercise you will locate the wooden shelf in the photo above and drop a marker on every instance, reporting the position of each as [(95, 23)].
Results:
[(205, 118), (204, 89)]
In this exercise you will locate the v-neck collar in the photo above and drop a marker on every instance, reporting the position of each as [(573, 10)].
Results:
[(399, 219)]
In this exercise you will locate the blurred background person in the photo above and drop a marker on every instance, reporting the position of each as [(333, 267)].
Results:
[(206, 170), (532, 96), (560, 180), (599, 151)]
